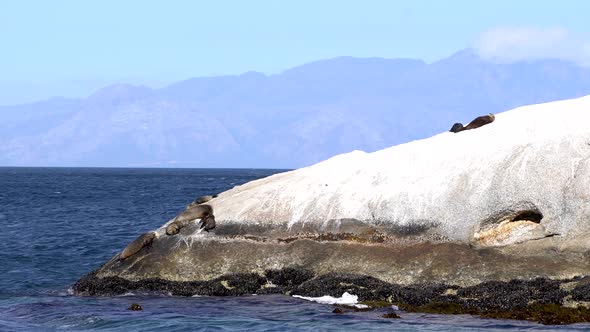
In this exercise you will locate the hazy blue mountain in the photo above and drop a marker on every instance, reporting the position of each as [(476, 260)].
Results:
[(301, 116)]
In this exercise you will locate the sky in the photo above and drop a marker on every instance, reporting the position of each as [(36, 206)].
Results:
[(71, 48)]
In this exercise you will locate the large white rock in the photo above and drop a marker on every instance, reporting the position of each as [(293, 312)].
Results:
[(457, 209), (535, 156)]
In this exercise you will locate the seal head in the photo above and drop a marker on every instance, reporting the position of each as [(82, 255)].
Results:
[(201, 200), (457, 127), (135, 307), (208, 223)]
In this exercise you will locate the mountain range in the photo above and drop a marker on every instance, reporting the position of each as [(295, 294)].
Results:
[(287, 120)]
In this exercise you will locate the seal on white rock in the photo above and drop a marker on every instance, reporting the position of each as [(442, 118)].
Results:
[(207, 223), (184, 219), (136, 245), (476, 123), (201, 200)]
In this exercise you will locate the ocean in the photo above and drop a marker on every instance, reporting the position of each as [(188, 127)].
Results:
[(60, 223)]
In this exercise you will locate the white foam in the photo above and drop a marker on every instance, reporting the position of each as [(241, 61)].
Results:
[(346, 299)]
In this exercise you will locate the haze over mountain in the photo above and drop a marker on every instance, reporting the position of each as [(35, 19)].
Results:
[(292, 119)]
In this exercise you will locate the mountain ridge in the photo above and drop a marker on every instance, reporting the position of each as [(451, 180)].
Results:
[(291, 119)]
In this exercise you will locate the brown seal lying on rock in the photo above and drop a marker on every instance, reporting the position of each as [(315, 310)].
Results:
[(143, 240), (201, 200), (203, 212), (476, 123)]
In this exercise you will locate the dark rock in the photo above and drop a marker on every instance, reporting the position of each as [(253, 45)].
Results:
[(335, 284), (499, 295), (436, 307), (135, 307), (234, 284), (391, 315), (582, 291), (338, 311), (548, 314), (228, 285), (272, 290), (288, 278), (91, 285), (539, 299)]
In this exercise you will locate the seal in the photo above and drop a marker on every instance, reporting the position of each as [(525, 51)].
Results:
[(175, 227), (135, 307), (476, 123), (207, 223), (136, 245), (201, 200), (481, 121), (188, 215)]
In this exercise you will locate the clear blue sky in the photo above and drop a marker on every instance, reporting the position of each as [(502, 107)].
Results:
[(71, 48)]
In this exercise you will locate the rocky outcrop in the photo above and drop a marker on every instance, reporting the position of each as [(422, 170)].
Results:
[(531, 164), (509, 200), (539, 299)]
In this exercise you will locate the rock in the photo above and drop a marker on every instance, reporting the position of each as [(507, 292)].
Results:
[(531, 157), (508, 201), (541, 299), (391, 315), (288, 278)]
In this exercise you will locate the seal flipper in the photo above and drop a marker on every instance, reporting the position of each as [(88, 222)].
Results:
[(481, 121)]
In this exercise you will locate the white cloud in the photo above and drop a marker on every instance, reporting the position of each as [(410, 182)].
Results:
[(509, 44)]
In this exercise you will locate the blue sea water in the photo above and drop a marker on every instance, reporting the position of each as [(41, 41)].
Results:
[(60, 223)]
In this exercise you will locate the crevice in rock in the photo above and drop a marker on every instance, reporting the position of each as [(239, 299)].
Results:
[(515, 224), (530, 215), (520, 211)]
